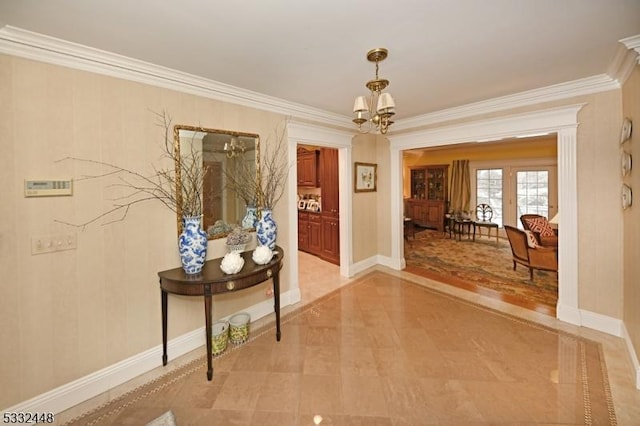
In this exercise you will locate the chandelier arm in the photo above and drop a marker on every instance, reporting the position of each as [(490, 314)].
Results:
[(368, 128)]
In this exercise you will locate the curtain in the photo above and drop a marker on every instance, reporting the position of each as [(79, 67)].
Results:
[(460, 186)]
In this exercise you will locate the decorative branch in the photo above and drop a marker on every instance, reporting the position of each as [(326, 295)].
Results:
[(179, 187), (267, 188), (274, 170), (241, 179)]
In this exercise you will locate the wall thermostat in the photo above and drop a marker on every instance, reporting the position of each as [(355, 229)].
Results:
[(48, 188)]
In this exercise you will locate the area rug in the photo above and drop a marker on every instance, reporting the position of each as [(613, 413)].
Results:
[(384, 350), (481, 262)]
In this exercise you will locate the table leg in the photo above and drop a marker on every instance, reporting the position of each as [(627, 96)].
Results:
[(207, 319), (474, 232), (163, 302), (276, 303)]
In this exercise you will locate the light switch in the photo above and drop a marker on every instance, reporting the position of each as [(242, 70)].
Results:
[(51, 243)]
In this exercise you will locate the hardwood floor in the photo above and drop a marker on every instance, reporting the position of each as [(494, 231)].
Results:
[(483, 291)]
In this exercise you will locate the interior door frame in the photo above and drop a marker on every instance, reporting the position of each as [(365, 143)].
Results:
[(308, 134), (563, 121)]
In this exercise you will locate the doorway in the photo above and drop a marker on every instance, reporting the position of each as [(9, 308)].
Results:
[(305, 134), (510, 180), (562, 121), (318, 198)]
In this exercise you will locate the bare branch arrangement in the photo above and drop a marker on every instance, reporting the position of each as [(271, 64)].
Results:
[(266, 187), (274, 170), (241, 179), (161, 185)]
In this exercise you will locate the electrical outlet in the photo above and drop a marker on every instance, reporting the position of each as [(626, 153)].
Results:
[(51, 243)]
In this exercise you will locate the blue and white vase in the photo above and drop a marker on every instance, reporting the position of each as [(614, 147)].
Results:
[(250, 219), (192, 244), (267, 229)]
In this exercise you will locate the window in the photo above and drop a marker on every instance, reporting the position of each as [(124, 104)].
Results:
[(489, 191), (532, 192), (515, 187)]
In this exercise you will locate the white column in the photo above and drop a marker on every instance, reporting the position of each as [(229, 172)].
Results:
[(567, 308), (397, 209)]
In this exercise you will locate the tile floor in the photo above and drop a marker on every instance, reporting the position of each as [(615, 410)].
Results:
[(318, 278)]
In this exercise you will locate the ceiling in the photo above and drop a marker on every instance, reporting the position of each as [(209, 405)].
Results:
[(442, 53)]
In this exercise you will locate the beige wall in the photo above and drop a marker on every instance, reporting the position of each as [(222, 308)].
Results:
[(600, 260), (67, 314), (364, 231), (371, 231), (631, 216)]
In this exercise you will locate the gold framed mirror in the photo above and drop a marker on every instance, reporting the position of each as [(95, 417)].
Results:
[(224, 153)]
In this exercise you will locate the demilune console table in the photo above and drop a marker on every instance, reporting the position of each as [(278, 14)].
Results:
[(211, 280)]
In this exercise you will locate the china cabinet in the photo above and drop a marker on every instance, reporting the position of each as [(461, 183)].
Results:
[(429, 195)]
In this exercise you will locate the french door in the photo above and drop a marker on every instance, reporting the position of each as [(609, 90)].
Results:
[(534, 192), (514, 190)]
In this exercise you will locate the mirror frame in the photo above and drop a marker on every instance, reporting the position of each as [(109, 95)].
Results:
[(176, 148)]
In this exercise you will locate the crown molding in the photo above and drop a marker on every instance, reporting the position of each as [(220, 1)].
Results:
[(623, 64), (632, 43), (39, 47), (491, 129), (585, 86)]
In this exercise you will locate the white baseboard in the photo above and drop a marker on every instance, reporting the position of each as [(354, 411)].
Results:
[(356, 268), (601, 322), (632, 354), (393, 263), (94, 384), (397, 264), (568, 314)]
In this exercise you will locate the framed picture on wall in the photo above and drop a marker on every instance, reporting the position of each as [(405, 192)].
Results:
[(365, 177)]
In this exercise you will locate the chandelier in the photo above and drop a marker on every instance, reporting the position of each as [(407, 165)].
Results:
[(234, 147), (363, 108)]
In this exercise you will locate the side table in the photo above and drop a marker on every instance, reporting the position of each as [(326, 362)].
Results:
[(211, 280), (461, 226)]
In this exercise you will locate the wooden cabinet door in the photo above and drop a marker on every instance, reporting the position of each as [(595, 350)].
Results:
[(303, 231), (418, 212), (307, 167), (435, 215), (315, 233), (329, 182), (437, 182), (418, 183), (330, 239)]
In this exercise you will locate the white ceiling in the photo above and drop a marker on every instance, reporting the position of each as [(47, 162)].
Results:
[(442, 53)]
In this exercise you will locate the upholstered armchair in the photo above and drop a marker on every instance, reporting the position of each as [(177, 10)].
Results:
[(541, 229), (527, 252)]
